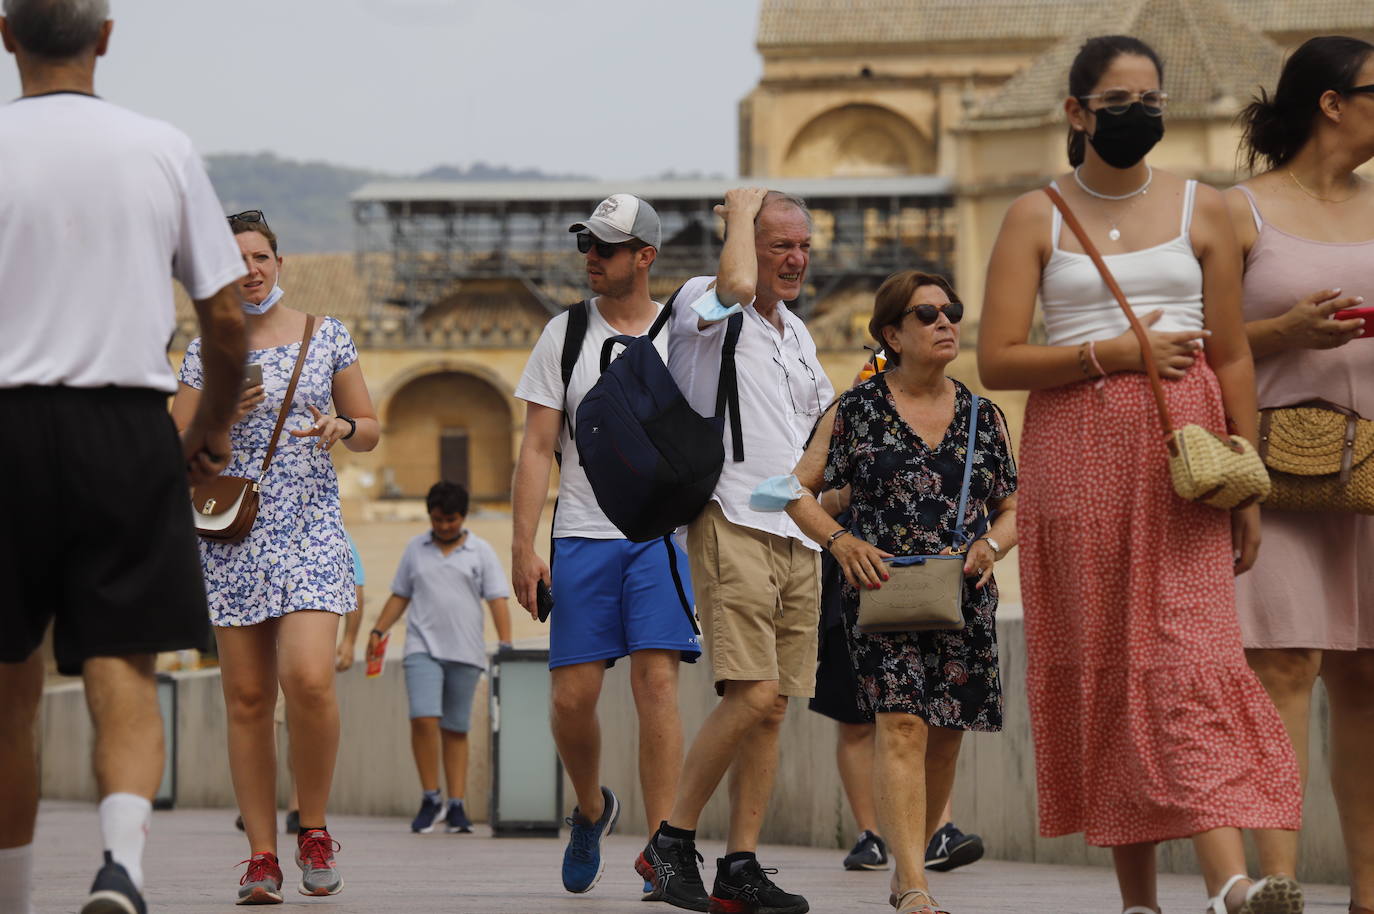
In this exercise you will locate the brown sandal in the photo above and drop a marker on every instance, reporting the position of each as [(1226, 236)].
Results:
[(906, 904)]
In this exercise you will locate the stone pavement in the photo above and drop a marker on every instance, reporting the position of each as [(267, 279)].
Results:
[(191, 857)]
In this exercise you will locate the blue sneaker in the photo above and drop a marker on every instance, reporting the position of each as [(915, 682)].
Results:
[(431, 811), (582, 863), (113, 892), (457, 821)]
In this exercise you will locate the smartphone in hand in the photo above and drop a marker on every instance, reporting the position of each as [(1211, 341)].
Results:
[(1366, 312), (252, 375), (543, 600)]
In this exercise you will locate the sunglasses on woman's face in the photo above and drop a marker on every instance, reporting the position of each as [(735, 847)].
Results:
[(929, 314), (604, 249)]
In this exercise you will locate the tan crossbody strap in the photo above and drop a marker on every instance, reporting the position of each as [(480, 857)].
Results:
[(290, 394), (1145, 351)]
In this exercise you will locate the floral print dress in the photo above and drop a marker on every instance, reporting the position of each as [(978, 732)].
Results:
[(904, 500), (297, 555)]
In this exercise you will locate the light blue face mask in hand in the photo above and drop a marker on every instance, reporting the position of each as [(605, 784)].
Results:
[(776, 493), (710, 309)]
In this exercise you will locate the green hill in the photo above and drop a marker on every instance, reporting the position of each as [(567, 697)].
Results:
[(306, 203)]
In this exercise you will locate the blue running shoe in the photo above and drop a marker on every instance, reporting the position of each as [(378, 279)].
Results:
[(582, 863), (113, 892), (431, 811), (457, 821)]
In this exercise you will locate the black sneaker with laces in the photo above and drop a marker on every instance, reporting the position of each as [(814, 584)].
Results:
[(869, 853), (950, 849), (673, 871), (748, 890), (113, 892)]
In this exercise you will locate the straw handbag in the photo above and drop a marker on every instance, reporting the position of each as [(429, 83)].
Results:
[(1221, 471), (225, 508), (1318, 458)]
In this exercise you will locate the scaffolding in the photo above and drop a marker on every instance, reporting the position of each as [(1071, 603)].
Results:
[(432, 237)]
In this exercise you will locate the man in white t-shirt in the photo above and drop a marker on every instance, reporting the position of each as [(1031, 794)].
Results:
[(101, 207), (611, 597), (756, 575)]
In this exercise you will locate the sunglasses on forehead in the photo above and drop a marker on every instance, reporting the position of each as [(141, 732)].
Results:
[(249, 215), (929, 314), (604, 249)]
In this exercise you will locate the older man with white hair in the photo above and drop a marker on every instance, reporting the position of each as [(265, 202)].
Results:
[(102, 207)]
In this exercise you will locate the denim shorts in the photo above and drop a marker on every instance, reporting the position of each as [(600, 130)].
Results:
[(442, 689)]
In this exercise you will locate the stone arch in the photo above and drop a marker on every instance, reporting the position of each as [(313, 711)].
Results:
[(433, 412), (859, 140)]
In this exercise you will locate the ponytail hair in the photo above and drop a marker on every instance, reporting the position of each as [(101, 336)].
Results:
[(1092, 61), (1276, 127)]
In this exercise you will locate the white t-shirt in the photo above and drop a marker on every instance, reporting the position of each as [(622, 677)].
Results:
[(99, 208), (542, 383), (782, 391)]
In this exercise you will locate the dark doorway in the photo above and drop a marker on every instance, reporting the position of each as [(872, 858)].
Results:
[(454, 459)]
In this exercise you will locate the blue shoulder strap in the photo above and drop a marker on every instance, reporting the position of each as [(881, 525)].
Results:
[(961, 539)]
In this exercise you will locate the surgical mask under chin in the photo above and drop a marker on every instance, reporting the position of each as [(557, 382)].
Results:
[(266, 304), (1122, 140), (776, 493)]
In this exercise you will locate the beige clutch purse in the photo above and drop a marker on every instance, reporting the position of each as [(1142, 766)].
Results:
[(922, 593)]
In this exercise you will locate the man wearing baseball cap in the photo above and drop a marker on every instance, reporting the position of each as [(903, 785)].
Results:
[(611, 597)]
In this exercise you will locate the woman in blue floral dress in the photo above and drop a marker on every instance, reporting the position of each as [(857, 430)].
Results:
[(277, 596), (898, 442)]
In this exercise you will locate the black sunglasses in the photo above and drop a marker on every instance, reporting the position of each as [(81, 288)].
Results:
[(249, 215), (604, 249), (1357, 89), (929, 314)]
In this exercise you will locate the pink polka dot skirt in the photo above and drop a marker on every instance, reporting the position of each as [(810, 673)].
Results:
[(1148, 723)]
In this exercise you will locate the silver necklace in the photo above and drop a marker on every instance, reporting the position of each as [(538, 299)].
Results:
[(1115, 233)]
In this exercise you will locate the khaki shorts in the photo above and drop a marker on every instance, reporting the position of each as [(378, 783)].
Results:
[(758, 596)]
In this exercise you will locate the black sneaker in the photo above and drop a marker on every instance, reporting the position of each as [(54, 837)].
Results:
[(673, 872), (950, 849), (870, 853), (293, 822), (748, 890), (113, 892)]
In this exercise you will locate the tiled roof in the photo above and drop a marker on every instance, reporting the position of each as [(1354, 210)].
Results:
[(802, 23), (1213, 60), (811, 22)]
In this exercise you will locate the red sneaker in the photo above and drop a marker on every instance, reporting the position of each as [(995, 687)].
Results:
[(262, 883), (315, 856)]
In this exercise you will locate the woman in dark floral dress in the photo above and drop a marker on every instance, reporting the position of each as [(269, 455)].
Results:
[(899, 442)]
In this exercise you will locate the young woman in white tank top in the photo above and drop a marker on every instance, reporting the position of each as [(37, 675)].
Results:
[(1129, 590)]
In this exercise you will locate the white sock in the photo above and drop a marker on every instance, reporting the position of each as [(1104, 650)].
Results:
[(124, 826), (16, 879)]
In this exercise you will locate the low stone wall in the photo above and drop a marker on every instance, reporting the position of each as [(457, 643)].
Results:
[(994, 792)]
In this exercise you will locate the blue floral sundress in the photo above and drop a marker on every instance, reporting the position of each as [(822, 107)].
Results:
[(297, 555)]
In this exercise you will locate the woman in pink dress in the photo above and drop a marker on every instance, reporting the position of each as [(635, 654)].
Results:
[(1307, 229), (1148, 723)]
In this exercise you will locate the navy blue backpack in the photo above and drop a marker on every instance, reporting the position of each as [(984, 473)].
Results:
[(651, 459)]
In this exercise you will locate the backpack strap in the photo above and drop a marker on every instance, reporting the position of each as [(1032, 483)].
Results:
[(572, 348), (727, 390), (677, 582)]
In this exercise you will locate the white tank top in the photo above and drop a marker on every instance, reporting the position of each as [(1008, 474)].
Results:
[(1078, 306)]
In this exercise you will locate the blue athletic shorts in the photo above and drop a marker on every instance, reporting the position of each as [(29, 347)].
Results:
[(614, 597), (442, 689)]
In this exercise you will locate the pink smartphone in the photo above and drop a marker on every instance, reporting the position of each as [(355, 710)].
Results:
[(1366, 312)]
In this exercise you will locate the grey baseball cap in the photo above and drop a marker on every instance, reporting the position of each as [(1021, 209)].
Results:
[(621, 217)]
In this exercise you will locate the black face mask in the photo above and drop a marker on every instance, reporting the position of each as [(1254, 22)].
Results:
[(1123, 139)]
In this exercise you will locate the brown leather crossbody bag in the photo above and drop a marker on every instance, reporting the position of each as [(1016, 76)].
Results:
[(226, 507)]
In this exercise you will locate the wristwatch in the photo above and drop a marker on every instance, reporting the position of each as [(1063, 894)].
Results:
[(996, 546), (352, 426)]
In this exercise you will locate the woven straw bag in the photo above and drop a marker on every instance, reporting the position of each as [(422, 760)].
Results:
[(1318, 458), (1218, 470)]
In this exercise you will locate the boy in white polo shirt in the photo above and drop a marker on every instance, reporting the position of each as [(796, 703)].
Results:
[(443, 578)]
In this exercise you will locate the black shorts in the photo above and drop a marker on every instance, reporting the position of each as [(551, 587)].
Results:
[(837, 688), (95, 527)]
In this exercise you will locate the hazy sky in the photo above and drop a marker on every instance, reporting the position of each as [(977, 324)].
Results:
[(610, 88)]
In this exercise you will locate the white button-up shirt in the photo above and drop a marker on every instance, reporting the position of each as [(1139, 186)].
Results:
[(782, 392)]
